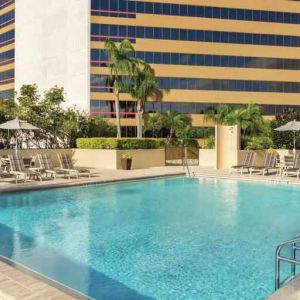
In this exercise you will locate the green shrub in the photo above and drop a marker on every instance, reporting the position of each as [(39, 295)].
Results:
[(259, 143), (120, 144), (209, 143)]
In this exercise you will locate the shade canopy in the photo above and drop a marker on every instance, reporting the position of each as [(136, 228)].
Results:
[(290, 126), (17, 124)]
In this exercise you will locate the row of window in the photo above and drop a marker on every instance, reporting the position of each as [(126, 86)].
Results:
[(99, 58), (7, 57), (101, 83), (108, 7), (7, 19), (102, 32), (7, 38), (5, 94), (115, 8), (128, 108), (7, 77), (5, 3)]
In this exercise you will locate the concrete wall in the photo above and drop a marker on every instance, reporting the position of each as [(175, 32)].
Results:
[(52, 47), (144, 158), (207, 158), (100, 159)]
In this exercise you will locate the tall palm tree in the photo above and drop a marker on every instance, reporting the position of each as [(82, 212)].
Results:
[(121, 63), (249, 118), (173, 120), (218, 116), (144, 86)]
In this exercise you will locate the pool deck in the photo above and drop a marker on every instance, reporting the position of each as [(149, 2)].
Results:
[(290, 291), (16, 283)]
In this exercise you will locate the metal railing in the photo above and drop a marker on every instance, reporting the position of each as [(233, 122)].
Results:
[(186, 165), (292, 260)]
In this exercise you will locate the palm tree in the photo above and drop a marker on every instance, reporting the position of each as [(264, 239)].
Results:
[(249, 118), (218, 116), (144, 86), (173, 120), (153, 124), (121, 63)]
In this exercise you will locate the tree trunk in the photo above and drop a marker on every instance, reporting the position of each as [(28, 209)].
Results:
[(118, 114), (139, 119)]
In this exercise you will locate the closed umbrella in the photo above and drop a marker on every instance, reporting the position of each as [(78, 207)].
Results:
[(17, 124), (291, 126)]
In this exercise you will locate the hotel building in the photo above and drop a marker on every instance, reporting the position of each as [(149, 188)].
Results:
[(205, 52)]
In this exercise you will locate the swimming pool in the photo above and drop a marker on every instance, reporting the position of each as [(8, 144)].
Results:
[(174, 238)]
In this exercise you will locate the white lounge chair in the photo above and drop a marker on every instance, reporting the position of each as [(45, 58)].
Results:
[(248, 162), (295, 169), (18, 170), (269, 163), (47, 166), (67, 165)]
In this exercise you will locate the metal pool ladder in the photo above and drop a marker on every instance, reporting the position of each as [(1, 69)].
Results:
[(291, 259), (186, 165)]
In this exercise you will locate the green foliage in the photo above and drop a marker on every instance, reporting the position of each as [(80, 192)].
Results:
[(259, 143), (218, 116), (203, 133), (174, 122), (121, 63), (58, 127), (285, 139), (153, 124), (127, 155), (209, 143), (144, 86), (120, 144), (248, 117)]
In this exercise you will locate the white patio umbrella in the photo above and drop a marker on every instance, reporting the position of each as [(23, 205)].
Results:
[(291, 126), (17, 124)]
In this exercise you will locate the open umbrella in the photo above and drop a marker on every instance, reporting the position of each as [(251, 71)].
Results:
[(291, 126), (17, 124)]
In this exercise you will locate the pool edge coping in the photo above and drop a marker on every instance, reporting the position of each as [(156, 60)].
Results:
[(45, 279), (74, 183)]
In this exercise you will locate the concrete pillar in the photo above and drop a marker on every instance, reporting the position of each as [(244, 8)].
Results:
[(227, 145), (52, 44)]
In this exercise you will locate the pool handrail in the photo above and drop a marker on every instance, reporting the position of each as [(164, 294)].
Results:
[(292, 260)]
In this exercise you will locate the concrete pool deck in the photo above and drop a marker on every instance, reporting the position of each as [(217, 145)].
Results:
[(17, 284)]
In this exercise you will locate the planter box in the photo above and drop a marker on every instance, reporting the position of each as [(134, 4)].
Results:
[(126, 163)]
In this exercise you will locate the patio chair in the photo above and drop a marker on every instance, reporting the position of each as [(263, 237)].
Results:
[(248, 162), (18, 169), (294, 170), (269, 163), (4, 169), (67, 165), (288, 161), (47, 166)]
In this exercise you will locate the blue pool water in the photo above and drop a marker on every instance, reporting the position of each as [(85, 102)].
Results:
[(159, 239)]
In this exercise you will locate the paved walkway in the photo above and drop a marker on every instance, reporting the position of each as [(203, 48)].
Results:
[(98, 176), (17, 285)]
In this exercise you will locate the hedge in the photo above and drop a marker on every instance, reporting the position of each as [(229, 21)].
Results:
[(120, 144)]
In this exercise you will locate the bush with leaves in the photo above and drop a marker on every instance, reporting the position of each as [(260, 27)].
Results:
[(259, 143), (249, 117), (209, 143), (58, 127)]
